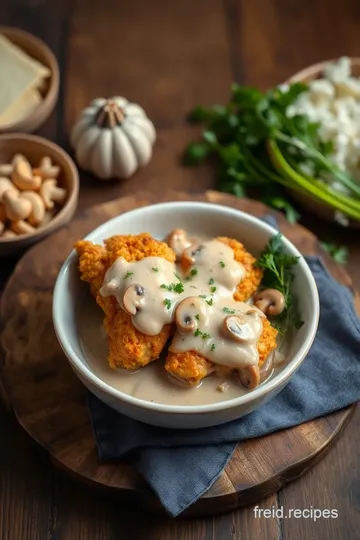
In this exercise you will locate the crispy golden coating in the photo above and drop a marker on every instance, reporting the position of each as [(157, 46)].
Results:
[(128, 348), (253, 275), (191, 367)]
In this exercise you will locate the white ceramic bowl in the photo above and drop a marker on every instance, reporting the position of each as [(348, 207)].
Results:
[(202, 219)]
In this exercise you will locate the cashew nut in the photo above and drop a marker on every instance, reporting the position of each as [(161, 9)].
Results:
[(190, 253), (270, 301), (51, 193), (132, 299), (5, 185), (46, 169), (178, 241), (249, 376), (6, 169), (16, 207), (23, 177), (189, 313), (22, 227), (237, 328), (38, 207), (48, 216), (8, 234)]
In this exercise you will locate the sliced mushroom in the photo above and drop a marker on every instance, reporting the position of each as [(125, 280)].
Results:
[(132, 299), (270, 301), (190, 254), (237, 328), (189, 313), (250, 377), (178, 241)]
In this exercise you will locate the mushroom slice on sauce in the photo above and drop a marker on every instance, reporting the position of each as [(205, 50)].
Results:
[(132, 299), (249, 377), (190, 313), (270, 301), (236, 328), (179, 242)]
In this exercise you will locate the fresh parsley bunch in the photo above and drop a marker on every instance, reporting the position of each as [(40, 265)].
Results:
[(259, 151), (278, 274)]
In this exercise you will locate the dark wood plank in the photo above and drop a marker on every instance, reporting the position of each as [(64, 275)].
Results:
[(26, 503), (164, 55)]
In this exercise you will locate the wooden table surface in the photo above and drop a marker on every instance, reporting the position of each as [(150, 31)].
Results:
[(169, 56)]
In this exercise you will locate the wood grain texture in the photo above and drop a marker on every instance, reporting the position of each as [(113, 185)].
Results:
[(50, 404)]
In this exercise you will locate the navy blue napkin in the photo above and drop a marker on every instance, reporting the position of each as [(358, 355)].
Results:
[(180, 465)]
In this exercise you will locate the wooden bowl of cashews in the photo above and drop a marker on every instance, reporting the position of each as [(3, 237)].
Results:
[(39, 188)]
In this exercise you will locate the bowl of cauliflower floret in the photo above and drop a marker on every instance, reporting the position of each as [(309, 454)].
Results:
[(332, 103)]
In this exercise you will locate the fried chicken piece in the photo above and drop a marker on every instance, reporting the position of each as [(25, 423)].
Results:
[(128, 348), (253, 275), (191, 367)]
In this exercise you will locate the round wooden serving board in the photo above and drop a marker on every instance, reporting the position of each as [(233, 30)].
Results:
[(49, 401)]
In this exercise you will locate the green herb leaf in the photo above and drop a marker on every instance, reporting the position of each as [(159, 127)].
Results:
[(206, 335), (211, 281), (222, 264), (155, 269), (212, 289), (210, 302), (128, 274), (197, 317), (196, 153), (197, 332), (228, 310), (338, 253), (212, 347), (278, 274), (167, 303)]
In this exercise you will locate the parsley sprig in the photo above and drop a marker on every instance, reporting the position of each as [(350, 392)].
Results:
[(261, 149), (278, 274)]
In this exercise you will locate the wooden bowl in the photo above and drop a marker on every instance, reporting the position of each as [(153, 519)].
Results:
[(41, 52), (323, 210), (34, 148)]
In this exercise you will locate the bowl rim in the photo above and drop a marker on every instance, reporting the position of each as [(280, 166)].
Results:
[(259, 392), (313, 70), (51, 94), (73, 195)]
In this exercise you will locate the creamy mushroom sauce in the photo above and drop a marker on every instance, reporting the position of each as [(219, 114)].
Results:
[(200, 300), (152, 383)]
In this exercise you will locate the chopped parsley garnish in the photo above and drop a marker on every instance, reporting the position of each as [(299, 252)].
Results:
[(202, 296), (204, 335), (211, 281), (167, 303), (197, 317), (222, 264), (278, 274), (178, 288), (210, 302), (212, 289), (227, 310), (155, 269), (128, 274), (173, 287), (194, 271), (212, 347)]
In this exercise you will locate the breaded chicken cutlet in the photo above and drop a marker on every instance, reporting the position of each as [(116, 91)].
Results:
[(128, 348)]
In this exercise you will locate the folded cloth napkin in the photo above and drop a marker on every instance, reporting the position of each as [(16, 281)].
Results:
[(180, 465)]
